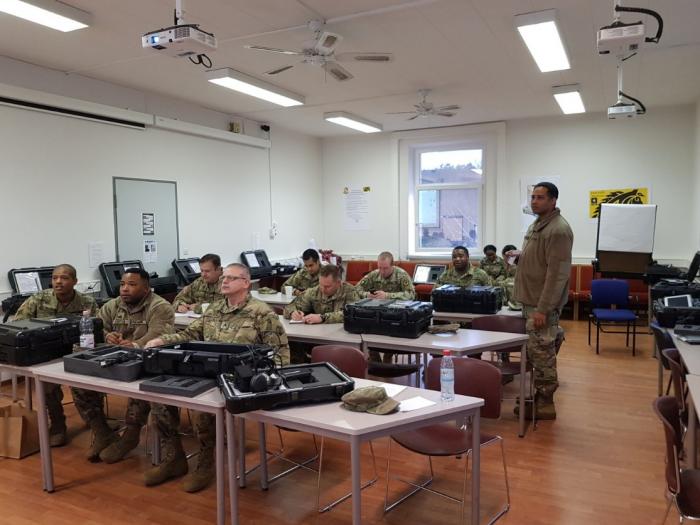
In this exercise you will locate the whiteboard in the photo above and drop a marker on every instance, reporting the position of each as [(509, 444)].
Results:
[(627, 228)]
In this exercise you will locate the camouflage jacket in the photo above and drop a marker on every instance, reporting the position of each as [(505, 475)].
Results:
[(151, 318), (312, 301), (302, 280), (252, 322), (199, 292), (496, 268), (473, 276), (399, 285), (46, 304)]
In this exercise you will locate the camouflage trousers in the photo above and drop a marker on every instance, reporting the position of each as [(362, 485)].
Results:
[(541, 351), (90, 407), (205, 429), (53, 394)]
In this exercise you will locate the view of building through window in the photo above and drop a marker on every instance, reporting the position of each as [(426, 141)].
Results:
[(448, 199)]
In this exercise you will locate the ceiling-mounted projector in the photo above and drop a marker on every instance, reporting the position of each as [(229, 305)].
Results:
[(185, 40), (622, 109)]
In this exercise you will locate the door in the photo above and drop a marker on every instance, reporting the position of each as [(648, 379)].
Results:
[(145, 223)]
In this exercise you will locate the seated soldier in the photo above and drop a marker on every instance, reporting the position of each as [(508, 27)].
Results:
[(492, 264), (323, 303), (237, 318), (508, 280), (132, 319), (461, 273), (58, 300), (387, 281), (205, 289), (307, 277)]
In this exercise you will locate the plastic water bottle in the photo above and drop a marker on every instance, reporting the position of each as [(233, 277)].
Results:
[(447, 377), (87, 335)]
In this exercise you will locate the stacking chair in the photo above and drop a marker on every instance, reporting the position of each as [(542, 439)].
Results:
[(680, 388), (609, 299), (662, 341), (683, 485), (473, 377)]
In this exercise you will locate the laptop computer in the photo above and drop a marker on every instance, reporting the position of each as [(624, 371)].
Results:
[(427, 273)]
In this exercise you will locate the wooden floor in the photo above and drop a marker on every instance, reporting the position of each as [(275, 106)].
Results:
[(600, 462)]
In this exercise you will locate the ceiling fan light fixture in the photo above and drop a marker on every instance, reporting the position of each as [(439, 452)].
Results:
[(541, 34), (569, 99), (349, 120), (49, 13), (237, 81)]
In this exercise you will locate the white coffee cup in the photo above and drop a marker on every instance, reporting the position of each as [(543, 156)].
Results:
[(204, 307), (289, 290)]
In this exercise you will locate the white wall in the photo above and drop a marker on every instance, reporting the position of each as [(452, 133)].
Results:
[(57, 175), (586, 152)]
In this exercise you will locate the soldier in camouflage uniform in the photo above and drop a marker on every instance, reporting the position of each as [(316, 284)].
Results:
[(387, 281), (132, 319), (61, 299), (507, 281), (238, 318), (541, 285), (492, 264), (323, 303), (205, 289), (307, 277), (461, 273)]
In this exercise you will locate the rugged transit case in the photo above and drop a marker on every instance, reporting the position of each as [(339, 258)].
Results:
[(177, 385), (388, 317), (670, 316), (120, 363), (667, 288), (469, 300), (33, 341), (199, 358), (306, 383), (187, 270), (28, 281)]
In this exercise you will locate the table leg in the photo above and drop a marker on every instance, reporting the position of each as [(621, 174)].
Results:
[(262, 446), (14, 386), (220, 505), (476, 463), (44, 448), (660, 385), (28, 392), (692, 433), (523, 384), (232, 488), (241, 453), (356, 483)]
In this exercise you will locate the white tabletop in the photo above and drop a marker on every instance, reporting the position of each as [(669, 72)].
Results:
[(460, 342), (54, 373), (278, 298), (319, 333), (689, 353), (459, 316), (330, 419)]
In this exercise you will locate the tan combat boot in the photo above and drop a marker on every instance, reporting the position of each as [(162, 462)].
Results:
[(102, 437), (174, 463), (544, 408), (121, 447), (204, 472), (58, 433)]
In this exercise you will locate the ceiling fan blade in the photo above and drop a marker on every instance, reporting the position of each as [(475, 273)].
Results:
[(400, 113), (453, 107), (337, 72), (365, 57), (275, 50), (445, 114), (278, 70), (413, 117)]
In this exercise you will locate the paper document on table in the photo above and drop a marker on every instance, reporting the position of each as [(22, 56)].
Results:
[(27, 282), (296, 321), (415, 403), (192, 314), (392, 389), (181, 314)]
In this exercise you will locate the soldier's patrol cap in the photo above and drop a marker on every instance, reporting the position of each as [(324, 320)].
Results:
[(370, 399)]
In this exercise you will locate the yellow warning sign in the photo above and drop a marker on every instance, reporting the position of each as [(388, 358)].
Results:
[(618, 196)]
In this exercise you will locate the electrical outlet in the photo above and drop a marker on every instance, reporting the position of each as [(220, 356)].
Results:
[(185, 252), (273, 230)]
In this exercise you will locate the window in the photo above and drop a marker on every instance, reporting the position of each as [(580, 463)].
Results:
[(447, 195)]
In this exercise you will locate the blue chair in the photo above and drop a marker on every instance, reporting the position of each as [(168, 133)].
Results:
[(609, 300)]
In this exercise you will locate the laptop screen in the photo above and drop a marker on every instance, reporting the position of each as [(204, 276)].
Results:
[(678, 301), (427, 273)]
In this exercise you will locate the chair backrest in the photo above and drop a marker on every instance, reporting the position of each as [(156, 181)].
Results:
[(663, 341), (348, 359), (473, 377), (673, 357), (501, 323), (608, 292), (666, 408), (585, 278)]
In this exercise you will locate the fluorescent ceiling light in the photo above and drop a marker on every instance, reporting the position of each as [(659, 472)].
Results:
[(232, 79), (541, 35), (351, 121), (569, 99), (50, 13)]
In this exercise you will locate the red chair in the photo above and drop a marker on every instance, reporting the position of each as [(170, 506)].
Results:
[(573, 289), (680, 386), (356, 270), (475, 378), (683, 485), (585, 279)]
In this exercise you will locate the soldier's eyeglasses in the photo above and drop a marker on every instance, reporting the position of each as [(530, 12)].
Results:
[(232, 278)]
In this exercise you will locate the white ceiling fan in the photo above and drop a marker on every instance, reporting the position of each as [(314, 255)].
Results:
[(427, 109), (321, 52)]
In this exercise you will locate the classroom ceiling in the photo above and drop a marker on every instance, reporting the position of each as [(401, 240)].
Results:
[(467, 51)]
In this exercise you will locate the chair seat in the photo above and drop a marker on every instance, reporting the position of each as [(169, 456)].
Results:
[(689, 499), (439, 440), (391, 369), (512, 369), (619, 315)]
